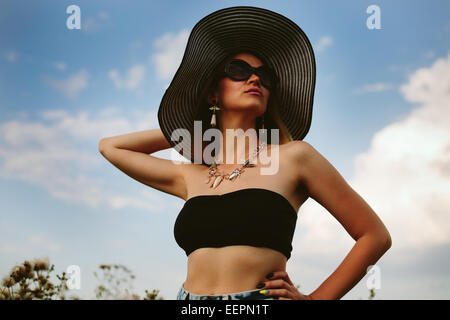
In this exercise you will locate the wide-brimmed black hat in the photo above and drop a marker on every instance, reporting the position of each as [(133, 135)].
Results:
[(277, 40)]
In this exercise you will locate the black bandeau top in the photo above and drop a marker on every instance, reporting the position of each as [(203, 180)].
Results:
[(253, 216)]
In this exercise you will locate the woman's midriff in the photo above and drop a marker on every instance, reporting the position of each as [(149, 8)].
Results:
[(230, 269)]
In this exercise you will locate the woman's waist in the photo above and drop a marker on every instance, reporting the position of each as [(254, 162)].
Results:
[(230, 269)]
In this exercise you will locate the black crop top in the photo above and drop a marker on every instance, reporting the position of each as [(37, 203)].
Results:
[(254, 216)]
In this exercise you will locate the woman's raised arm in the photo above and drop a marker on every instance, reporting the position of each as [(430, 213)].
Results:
[(130, 153), (147, 141)]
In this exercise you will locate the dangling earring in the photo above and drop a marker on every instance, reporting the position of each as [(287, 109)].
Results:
[(213, 118), (262, 122)]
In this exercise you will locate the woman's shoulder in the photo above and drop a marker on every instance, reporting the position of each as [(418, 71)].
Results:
[(298, 149), (302, 155)]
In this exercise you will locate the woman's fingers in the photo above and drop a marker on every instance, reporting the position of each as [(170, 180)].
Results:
[(278, 287), (280, 275), (281, 286), (280, 293), (280, 283)]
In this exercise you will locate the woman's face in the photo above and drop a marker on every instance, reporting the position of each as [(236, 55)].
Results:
[(232, 94)]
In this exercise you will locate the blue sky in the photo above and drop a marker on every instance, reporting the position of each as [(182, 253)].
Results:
[(380, 103)]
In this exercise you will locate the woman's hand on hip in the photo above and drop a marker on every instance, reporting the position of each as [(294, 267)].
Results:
[(280, 285)]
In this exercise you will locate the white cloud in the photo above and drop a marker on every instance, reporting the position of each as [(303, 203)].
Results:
[(11, 56), (375, 87), (71, 86), (95, 23), (103, 15), (406, 171), (34, 243), (60, 65), (430, 86), (120, 244), (134, 77), (429, 54), (170, 50), (44, 241), (323, 43), (59, 152)]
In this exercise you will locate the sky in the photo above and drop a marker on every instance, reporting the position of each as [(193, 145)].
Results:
[(380, 117)]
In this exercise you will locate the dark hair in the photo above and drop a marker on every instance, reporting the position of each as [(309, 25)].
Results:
[(272, 118)]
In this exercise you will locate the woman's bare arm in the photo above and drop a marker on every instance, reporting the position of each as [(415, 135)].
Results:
[(130, 153), (147, 141), (328, 187)]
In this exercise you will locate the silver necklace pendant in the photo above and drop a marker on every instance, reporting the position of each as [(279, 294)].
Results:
[(236, 173), (211, 174), (217, 181)]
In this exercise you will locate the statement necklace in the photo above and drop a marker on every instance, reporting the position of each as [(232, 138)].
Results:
[(218, 177)]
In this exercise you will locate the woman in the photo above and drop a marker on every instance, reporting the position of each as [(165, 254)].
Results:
[(237, 223)]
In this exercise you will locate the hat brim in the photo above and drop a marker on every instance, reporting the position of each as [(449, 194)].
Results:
[(276, 39)]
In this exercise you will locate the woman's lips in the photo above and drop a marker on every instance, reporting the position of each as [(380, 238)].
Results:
[(255, 93)]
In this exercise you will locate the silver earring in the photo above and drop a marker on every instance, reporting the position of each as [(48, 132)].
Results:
[(213, 118)]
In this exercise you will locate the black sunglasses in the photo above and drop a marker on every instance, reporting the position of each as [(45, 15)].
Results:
[(239, 70)]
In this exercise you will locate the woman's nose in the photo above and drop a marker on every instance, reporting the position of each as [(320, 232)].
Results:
[(254, 78)]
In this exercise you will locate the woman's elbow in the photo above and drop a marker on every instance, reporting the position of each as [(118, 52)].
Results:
[(388, 241), (102, 145), (381, 238), (385, 240)]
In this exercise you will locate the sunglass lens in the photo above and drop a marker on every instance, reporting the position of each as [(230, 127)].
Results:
[(238, 70), (265, 77)]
